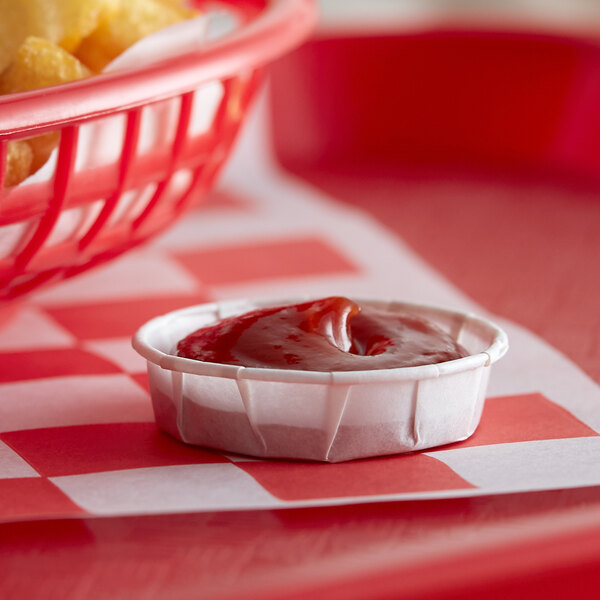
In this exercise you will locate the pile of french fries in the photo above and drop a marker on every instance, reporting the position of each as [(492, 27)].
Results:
[(48, 42)]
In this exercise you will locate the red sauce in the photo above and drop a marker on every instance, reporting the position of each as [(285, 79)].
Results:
[(331, 334)]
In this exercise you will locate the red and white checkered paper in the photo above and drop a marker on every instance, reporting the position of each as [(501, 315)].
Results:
[(77, 434)]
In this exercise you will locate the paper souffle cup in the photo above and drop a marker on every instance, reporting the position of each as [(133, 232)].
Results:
[(310, 415)]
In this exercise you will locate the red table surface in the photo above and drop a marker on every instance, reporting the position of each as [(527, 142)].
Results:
[(482, 156)]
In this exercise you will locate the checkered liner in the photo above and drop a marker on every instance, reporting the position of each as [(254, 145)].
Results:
[(77, 435)]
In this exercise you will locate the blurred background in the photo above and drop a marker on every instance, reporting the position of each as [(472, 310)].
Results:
[(472, 130)]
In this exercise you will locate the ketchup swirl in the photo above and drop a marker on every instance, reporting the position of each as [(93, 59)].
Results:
[(330, 334)]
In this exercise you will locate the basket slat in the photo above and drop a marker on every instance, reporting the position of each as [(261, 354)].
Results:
[(3, 165), (132, 131), (64, 169), (185, 112)]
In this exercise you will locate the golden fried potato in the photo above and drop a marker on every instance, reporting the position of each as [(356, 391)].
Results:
[(42, 146), (80, 17), (64, 22), (38, 63), (121, 28), (23, 18), (19, 158), (182, 7)]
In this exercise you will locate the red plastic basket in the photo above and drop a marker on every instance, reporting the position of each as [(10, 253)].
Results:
[(81, 216)]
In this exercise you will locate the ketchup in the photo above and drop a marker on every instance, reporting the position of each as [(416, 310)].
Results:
[(330, 334)]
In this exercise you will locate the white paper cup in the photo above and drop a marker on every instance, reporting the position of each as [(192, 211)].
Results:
[(324, 416)]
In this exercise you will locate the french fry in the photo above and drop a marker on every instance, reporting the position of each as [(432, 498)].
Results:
[(19, 158), (181, 7), (38, 63), (64, 22), (121, 28), (24, 18), (80, 17)]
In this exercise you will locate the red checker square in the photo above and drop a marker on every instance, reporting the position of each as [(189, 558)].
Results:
[(142, 380), (525, 418), (83, 449), (118, 318), (52, 362), (270, 260), (34, 497), (404, 474)]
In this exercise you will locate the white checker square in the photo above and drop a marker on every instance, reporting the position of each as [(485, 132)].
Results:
[(156, 490), (118, 351), (535, 465), (12, 466), (30, 328), (81, 400), (138, 274)]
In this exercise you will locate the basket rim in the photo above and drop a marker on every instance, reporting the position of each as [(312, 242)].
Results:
[(280, 26)]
